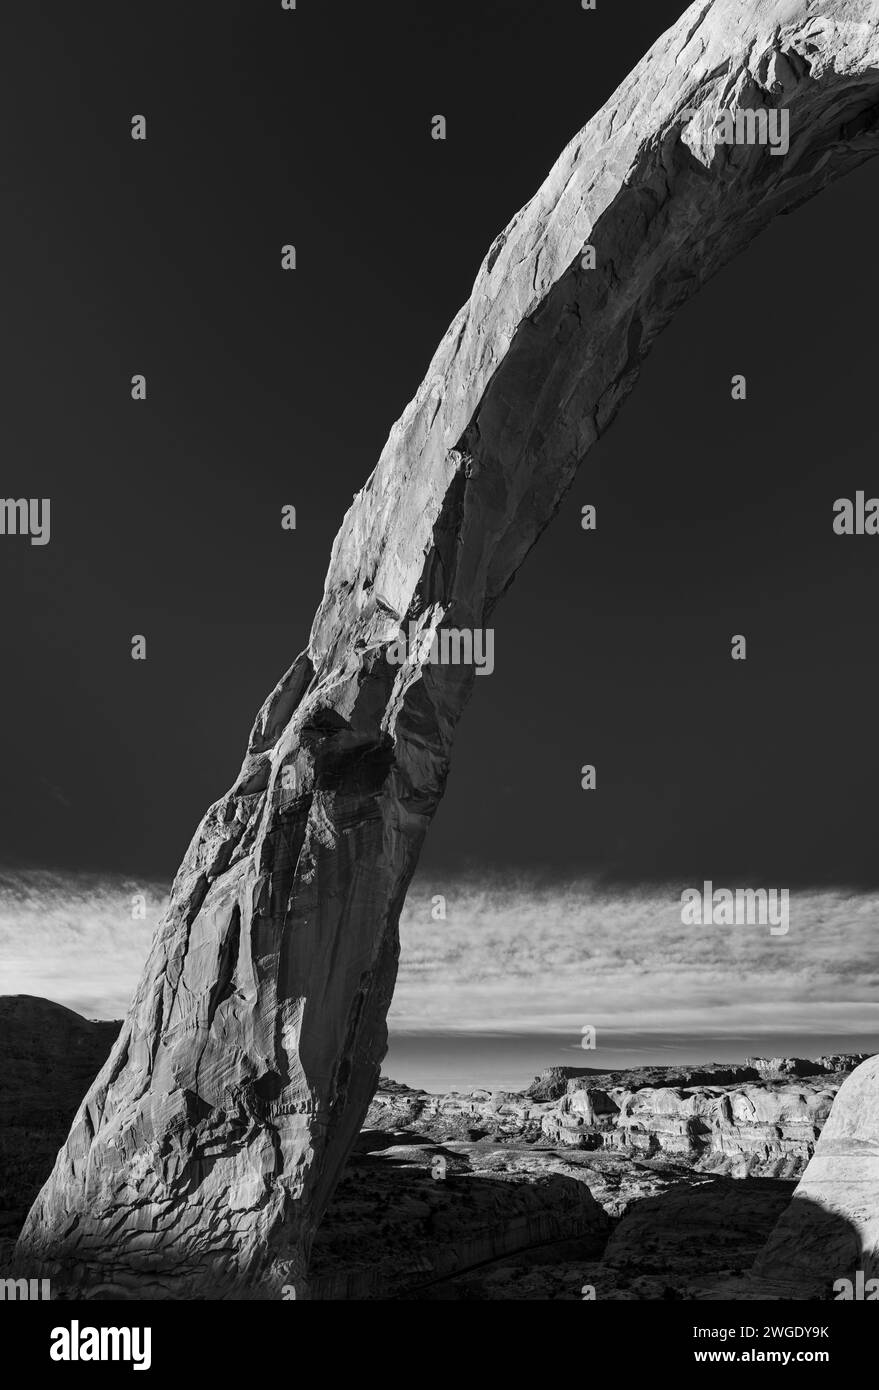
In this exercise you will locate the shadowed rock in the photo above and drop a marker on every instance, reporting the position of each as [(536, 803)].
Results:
[(830, 1231), (205, 1153), (50, 1056)]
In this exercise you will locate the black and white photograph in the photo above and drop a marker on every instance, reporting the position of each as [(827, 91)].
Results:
[(373, 927)]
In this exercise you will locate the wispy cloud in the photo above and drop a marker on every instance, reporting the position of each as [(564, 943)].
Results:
[(74, 938), (511, 955), (515, 955)]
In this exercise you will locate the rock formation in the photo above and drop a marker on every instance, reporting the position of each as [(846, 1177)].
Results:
[(750, 1126), (555, 1082), (739, 1130), (205, 1153), (397, 1224), (830, 1231), (647, 1183)]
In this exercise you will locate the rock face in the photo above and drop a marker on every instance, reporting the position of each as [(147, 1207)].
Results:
[(398, 1223), (512, 1220), (765, 1128), (740, 1130), (204, 1155), (830, 1231)]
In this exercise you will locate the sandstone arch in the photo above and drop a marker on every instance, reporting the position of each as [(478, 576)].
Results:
[(202, 1158)]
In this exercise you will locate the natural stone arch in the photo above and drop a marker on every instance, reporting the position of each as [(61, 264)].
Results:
[(203, 1157)]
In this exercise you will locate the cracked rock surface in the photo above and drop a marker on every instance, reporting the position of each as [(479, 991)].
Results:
[(204, 1155)]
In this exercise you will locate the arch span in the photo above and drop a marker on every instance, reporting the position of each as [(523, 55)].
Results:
[(202, 1158)]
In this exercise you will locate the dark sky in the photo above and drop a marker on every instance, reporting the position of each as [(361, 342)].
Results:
[(266, 388)]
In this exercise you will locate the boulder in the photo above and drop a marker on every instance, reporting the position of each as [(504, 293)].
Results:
[(830, 1230)]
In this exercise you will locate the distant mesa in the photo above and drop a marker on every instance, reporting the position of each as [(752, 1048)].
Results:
[(553, 1082)]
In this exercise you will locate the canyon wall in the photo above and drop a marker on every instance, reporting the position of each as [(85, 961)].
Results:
[(763, 1123)]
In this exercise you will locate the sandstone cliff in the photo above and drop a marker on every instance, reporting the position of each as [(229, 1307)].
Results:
[(765, 1125), (204, 1155)]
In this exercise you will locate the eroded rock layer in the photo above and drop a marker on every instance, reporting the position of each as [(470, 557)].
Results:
[(764, 1125), (203, 1156)]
